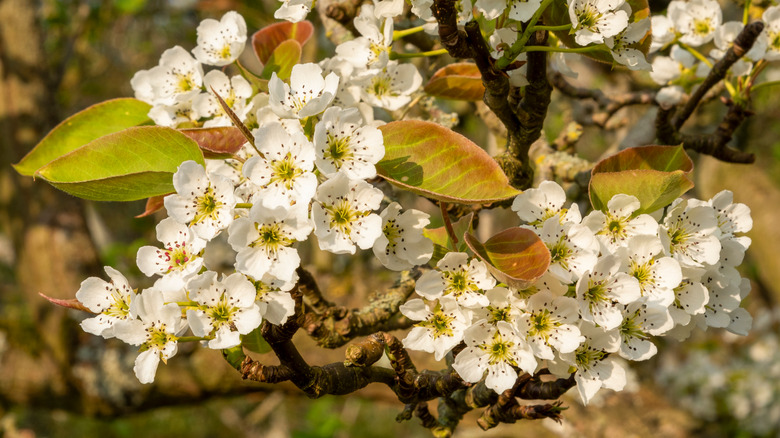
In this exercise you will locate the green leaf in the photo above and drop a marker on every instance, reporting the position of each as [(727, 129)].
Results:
[(254, 341), (656, 175), (516, 256), (223, 142), (132, 164), (558, 14), (442, 244), (461, 81), (267, 39), (431, 160), (282, 60), (83, 127)]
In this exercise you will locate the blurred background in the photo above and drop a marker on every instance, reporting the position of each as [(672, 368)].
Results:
[(58, 57)]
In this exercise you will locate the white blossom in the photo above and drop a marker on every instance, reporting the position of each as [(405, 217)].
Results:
[(178, 77), (343, 215), (496, 349), (109, 299), (657, 276), (439, 330), (572, 251), (344, 144), (390, 87), (599, 290), (690, 235), (595, 20), (640, 321), (221, 42), (234, 91), (456, 276), (203, 201), (402, 244), (308, 93), (178, 260), (293, 10), (264, 241), (535, 206), (548, 323), (226, 308), (283, 174), (697, 21), (619, 44), (614, 227), (274, 299), (504, 305), (155, 330), (771, 19), (372, 48)]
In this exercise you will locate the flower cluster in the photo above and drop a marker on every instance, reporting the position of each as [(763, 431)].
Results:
[(616, 279), (316, 145), (691, 26)]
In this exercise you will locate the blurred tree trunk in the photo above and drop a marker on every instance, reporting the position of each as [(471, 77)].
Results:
[(53, 250)]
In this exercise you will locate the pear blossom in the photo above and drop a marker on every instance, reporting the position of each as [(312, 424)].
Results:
[(657, 276), (593, 367), (572, 251), (547, 282), (226, 308), (668, 97), (343, 144), (293, 10), (535, 206), (724, 39), (177, 77), (600, 289), (741, 322), (283, 174), (178, 260), (690, 299), (496, 349), (402, 244), (347, 93), (203, 201), (155, 330), (690, 235), (559, 61), (439, 330), (732, 217), (594, 20), (264, 241), (456, 276), (614, 227), (698, 21), (640, 321), (308, 93), (390, 87), (499, 41), (663, 31), (111, 301), (388, 8), (771, 19), (173, 115), (372, 48), (548, 323), (504, 305), (221, 42), (234, 91), (343, 215), (619, 46), (273, 298)]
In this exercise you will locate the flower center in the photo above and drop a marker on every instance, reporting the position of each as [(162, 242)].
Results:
[(221, 313), (207, 206), (586, 357), (177, 258), (338, 149), (342, 216), (285, 171), (380, 86), (588, 16), (392, 232), (498, 350), (632, 327), (272, 237), (702, 26), (225, 52), (439, 323), (499, 314), (541, 324), (157, 336), (559, 252), (596, 293)]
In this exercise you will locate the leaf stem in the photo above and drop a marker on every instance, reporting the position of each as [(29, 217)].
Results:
[(395, 55), (518, 46), (244, 205), (596, 48), (448, 223), (194, 338), (746, 12), (551, 28), (398, 34), (765, 84)]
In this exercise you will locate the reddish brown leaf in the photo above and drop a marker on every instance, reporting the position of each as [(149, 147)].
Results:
[(516, 256), (153, 204), (70, 304), (265, 40), (460, 81), (221, 142)]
